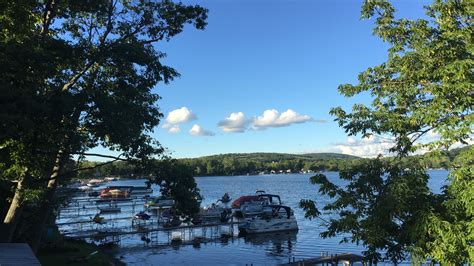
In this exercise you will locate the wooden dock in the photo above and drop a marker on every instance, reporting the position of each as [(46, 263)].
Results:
[(17, 254), (115, 232), (345, 259)]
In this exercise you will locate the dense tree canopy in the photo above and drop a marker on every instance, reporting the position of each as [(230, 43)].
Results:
[(76, 75), (424, 86)]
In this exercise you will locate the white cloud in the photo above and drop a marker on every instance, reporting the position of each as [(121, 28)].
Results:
[(174, 129), (197, 130), (370, 146), (235, 122), (177, 117), (373, 145), (272, 118)]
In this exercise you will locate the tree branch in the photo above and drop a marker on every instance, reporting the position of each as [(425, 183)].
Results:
[(48, 16), (87, 168), (117, 158)]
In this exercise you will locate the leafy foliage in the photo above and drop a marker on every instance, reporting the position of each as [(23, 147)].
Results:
[(176, 180), (76, 75), (425, 86)]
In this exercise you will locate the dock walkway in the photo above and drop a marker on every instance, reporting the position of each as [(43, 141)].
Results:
[(17, 254), (345, 259), (114, 232)]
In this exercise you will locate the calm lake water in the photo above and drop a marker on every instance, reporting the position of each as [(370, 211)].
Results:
[(265, 249)]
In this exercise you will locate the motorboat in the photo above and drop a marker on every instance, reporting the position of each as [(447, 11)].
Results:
[(159, 202), (98, 219), (134, 189), (94, 182), (174, 222), (114, 193), (281, 218), (84, 188), (250, 205), (142, 216), (226, 198), (216, 211)]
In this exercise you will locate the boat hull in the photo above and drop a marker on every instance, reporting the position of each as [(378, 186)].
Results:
[(257, 226)]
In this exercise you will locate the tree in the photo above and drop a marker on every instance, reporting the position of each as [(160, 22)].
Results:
[(96, 87), (176, 180), (425, 86)]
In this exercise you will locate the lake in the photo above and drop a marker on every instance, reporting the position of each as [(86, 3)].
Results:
[(259, 250)]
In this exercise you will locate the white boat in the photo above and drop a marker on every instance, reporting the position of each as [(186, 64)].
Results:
[(271, 222), (94, 182), (159, 202), (216, 211), (84, 188), (253, 208), (247, 206)]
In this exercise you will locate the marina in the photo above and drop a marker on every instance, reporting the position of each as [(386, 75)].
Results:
[(108, 213), (149, 241)]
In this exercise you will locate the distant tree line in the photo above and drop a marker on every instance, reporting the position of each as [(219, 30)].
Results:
[(242, 164)]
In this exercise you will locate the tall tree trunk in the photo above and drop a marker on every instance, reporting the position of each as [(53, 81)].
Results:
[(14, 212), (48, 198)]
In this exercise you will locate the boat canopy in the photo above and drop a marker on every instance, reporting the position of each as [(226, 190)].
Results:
[(271, 197), (243, 199), (286, 208)]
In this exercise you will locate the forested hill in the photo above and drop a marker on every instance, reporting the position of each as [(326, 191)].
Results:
[(271, 156), (255, 163)]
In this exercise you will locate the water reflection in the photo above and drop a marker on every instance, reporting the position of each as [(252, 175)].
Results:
[(280, 243)]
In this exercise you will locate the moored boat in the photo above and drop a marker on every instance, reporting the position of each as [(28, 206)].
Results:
[(134, 189), (251, 205), (216, 211), (98, 219), (84, 188), (275, 221), (142, 216), (226, 198), (159, 202), (94, 182), (114, 193)]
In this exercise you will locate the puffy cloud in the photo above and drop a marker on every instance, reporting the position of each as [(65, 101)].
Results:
[(174, 129), (272, 118), (177, 117), (197, 130), (370, 146), (235, 122), (373, 145)]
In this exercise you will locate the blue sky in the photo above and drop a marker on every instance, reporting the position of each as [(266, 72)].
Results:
[(258, 55)]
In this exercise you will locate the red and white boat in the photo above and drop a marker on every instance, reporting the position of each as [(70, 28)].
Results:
[(251, 205)]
